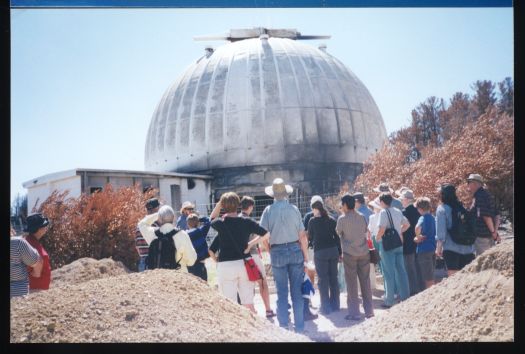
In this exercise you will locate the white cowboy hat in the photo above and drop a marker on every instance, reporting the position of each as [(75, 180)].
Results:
[(400, 191), (375, 203), (278, 188)]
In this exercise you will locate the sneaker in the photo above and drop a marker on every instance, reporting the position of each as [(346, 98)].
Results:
[(308, 316), (270, 314), (385, 306), (370, 315), (353, 318)]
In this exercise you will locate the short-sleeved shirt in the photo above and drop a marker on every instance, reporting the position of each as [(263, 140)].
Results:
[(22, 254), (412, 215), (322, 232), (233, 235), (443, 225), (483, 205), (397, 218), (352, 229), (254, 250), (427, 223), (283, 221), (363, 209)]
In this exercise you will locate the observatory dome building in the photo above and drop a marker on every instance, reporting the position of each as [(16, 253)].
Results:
[(263, 106)]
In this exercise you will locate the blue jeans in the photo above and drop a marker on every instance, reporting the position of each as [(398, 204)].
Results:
[(142, 264), (287, 265), (394, 274)]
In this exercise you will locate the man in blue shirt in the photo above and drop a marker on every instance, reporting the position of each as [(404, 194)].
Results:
[(361, 207), (288, 251)]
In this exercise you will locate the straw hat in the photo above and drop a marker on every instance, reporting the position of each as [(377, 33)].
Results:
[(475, 177), (278, 188)]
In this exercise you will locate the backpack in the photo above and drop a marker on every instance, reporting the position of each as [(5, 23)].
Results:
[(463, 226), (162, 251)]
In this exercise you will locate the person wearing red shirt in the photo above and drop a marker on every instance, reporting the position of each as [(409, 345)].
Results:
[(36, 229)]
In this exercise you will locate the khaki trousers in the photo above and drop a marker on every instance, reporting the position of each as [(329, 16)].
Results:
[(358, 268)]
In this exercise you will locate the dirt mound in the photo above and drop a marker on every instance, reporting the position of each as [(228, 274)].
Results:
[(475, 304), (153, 306), (85, 269), (500, 258)]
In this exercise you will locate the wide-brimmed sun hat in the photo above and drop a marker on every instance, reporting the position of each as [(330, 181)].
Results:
[(407, 194), (360, 197), (475, 177), (278, 188), (383, 187), (400, 190), (375, 203)]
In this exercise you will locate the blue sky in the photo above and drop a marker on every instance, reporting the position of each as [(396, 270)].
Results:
[(85, 83)]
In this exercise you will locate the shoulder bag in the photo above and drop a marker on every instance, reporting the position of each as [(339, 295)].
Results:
[(252, 270), (391, 237)]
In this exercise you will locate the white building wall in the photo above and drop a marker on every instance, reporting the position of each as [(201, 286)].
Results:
[(39, 193)]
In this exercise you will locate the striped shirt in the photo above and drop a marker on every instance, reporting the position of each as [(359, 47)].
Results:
[(483, 205), (141, 245), (22, 254)]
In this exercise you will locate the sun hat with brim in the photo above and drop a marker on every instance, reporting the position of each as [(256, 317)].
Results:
[(187, 205), (375, 204), (407, 194), (278, 188), (475, 177), (360, 197), (400, 190), (383, 187), (35, 222)]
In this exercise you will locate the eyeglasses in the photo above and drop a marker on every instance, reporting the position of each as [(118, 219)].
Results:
[(189, 209)]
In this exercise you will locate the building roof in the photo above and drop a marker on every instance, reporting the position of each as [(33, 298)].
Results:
[(263, 101), (77, 171)]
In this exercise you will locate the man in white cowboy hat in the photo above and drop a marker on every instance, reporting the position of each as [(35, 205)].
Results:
[(288, 251), (487, 217), (385, 188), (186, 209), (415, 282)]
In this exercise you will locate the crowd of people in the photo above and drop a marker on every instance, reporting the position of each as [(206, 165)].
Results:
[(401, 227)]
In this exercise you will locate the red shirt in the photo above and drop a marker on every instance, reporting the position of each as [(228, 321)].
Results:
[(45, 277)]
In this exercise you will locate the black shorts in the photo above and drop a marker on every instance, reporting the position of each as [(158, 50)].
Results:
[(456, 261)]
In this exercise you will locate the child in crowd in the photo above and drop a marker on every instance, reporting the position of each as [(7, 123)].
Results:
[(426, 241)]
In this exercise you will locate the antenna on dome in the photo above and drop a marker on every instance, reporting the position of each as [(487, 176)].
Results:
[(246, 33)]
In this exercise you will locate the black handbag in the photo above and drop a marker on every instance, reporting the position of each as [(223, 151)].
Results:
[(391, 237), (374, 256)]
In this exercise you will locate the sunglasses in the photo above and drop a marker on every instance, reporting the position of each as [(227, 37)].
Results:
[(189, 209)]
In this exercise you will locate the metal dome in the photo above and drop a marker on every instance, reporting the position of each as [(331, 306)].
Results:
[(263, 101)]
